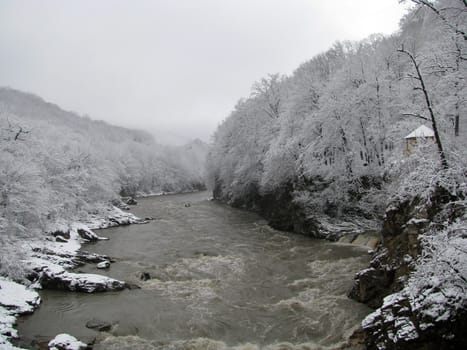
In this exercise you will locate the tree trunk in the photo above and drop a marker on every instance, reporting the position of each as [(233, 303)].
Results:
[(444, 161)]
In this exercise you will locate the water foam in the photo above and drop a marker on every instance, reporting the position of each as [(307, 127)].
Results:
[(137, 343)]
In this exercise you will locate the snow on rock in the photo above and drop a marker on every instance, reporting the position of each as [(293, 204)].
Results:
[(432, 305), (82, 231), (66, 342), (103, 265), (15, 299), (46, 266), (53, 276), (49, 259), (112, 217), (391, 322), (348, 228)]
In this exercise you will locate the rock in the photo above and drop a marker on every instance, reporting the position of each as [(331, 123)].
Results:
[(93, 258), (422, 311), (187, 205), (66, 342), (53, 276), (371, 286), (131, 201), (357, 340), (63, 234), (132, 286), (118, 203), (389, 266), (103, 265), (60, 239), (144, 276), (87, 234), (101, 326)]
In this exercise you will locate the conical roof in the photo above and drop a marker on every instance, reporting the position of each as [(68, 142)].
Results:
[(421, 131)]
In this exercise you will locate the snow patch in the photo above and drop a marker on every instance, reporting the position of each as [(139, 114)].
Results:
[(15, 299), (66, 342)]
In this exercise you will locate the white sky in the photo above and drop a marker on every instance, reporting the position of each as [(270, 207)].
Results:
[(172, 67)]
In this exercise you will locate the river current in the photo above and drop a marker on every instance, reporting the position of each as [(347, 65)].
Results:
[(221, 278)]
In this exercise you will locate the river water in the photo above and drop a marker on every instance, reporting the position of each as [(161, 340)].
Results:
[(220, 278)]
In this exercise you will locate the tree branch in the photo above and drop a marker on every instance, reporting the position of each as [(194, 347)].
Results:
[(444, 161), (415, 115)]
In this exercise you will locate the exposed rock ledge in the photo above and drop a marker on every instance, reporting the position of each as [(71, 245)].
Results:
[(53, 276), (417, 279), (50, 259), (46, 268)]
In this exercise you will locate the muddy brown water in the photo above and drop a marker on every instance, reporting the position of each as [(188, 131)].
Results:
[(220, 278)]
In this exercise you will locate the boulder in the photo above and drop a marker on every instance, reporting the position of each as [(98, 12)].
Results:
[(99, 325), (103, 265), (53, 276), (144, 276), (65, 234), (66, 342), (371, 286), (131, 201)]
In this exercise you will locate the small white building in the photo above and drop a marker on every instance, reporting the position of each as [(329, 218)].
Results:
[(421, 133)]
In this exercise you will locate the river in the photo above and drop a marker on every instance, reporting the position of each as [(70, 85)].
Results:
[(220, 278)]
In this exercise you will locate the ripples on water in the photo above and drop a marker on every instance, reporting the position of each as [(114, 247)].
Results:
[(220, 279)]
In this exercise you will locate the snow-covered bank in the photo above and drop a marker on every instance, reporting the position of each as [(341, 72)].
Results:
[(47, 263), (15, 300)]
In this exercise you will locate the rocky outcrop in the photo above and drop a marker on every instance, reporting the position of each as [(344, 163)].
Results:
[(403, 223), (285, 210), (99, 325), (398, 325), (66, 342), (417, 277), (51, 276), (50, 258)]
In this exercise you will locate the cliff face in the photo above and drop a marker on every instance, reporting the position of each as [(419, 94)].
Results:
[(277, 207), (416, 278), (285, 210)]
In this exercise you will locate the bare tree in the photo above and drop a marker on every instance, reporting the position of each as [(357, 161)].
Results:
[(447, 14), (429, 106), (14, 131)]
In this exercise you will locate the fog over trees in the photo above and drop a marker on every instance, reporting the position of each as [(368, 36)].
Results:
[(58, 165), (339, 121), (324, 152)]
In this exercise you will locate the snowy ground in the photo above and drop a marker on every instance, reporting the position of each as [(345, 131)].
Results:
[(15, 300), (48, 261)]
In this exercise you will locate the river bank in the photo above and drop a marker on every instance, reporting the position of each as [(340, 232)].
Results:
[(416, 280), (47, 263), (214, 277)]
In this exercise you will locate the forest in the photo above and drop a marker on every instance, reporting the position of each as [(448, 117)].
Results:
[(332, 133), (57, 165), (330, 143), (337, 141)]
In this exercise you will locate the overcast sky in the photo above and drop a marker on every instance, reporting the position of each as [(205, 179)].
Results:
[(172, 67)]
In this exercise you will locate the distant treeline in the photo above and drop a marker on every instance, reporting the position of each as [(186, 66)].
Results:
[(58, 165)]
